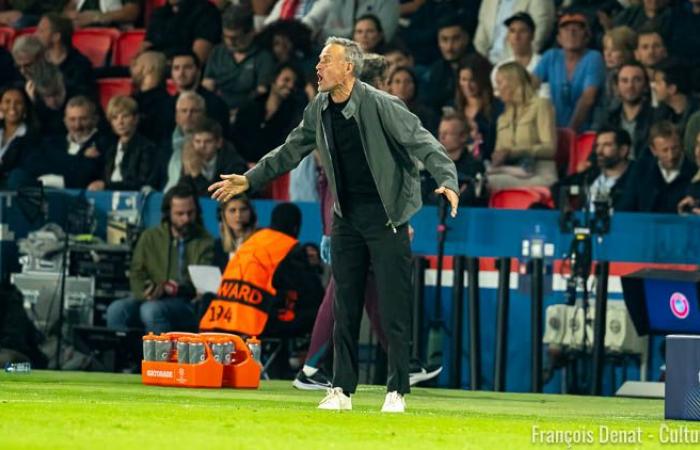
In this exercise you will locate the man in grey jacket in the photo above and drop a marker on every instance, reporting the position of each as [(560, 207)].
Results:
[(368, 143)]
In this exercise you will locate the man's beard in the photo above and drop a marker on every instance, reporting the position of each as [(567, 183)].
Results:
[(184, 230), (608, 162)]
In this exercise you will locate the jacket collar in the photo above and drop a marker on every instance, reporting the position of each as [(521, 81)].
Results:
[(356, 95)]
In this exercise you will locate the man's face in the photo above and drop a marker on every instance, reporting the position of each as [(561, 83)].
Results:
[(206, 145), (282, 47), (453, 42), (572, 36), (44, 32), (630, 84), (183, 214), (519, 37), (184, 73), (238, 40), (54, 100), (650, 49), (608, 154), (402, 86), (452, 135), (284, 83), (661, 88), (366, 34), (187, 113), (79, 123), (332, 68), (668, 151), (137, 70), (23, 62)]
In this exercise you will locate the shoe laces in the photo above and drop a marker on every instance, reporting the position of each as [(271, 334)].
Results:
[(331, 393)]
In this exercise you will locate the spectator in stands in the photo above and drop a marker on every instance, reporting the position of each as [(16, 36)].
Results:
[(691, 202), (288, 10), (374, 71), (672, 88), (632, 110), (684, 39), (654, 13), (491, 34), (650, 49), (575, 74), (160, 283), (264, 122), (336, 17), (206, 156), (276, 267), (49, 94), (56, 34), (186, 73), (237, 222), (398, 56), (658, 184), (184, 25), (369, 34), (608, 178), (454, 44), (618, 48), (474, 100), (189, 110), (289, 41), (130, 160), (238, 68), (526, 136), (76, 159), (155, 104), (519, 40), (100, 13), (26, 13), (403, 83), (453, 135), (27, 50), (17, 137)]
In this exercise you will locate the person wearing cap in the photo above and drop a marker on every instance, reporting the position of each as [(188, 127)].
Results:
[(575, 73), (491, 35), (521, 32)]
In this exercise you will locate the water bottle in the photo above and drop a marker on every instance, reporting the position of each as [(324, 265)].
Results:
[(20, 367), (255, 349)]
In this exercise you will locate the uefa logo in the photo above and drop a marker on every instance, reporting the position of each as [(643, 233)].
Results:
[(680, 307)]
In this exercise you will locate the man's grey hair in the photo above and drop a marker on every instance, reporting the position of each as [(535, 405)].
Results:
[(353, 53), (194, 97), (29, 45)]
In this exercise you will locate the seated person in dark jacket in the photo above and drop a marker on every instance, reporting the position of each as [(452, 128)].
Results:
[(17, 137), (130, 159), (691, 202), (206, 156), (658, 184), (453, 134), (264, 122), (56, 33), (156, 106), (672, 86), (75, 160), (48, 91), (607, 178)]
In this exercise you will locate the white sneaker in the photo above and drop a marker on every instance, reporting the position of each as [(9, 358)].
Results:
[(394, 403), (335, 400)]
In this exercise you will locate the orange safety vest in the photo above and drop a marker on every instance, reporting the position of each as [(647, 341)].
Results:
[(245, 296)]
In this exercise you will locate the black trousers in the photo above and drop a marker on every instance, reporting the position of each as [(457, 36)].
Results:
[(359, 238)]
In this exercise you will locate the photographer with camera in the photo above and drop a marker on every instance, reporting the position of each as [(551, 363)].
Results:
[(608, 177), (691, 202), (160, 283)]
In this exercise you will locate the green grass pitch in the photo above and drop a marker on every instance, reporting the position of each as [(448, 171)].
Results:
[(70, 410)]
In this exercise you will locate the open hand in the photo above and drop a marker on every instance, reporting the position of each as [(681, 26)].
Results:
[(229, 186), (451, 197)]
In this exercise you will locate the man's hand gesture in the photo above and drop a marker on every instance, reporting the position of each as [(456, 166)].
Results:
[(229, 186), (451, 197)]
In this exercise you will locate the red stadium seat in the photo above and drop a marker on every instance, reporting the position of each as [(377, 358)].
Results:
[(95, 43), (110, 87), (566, 143), (7, 35), (521, 198), (582, 150), (127, 46)]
